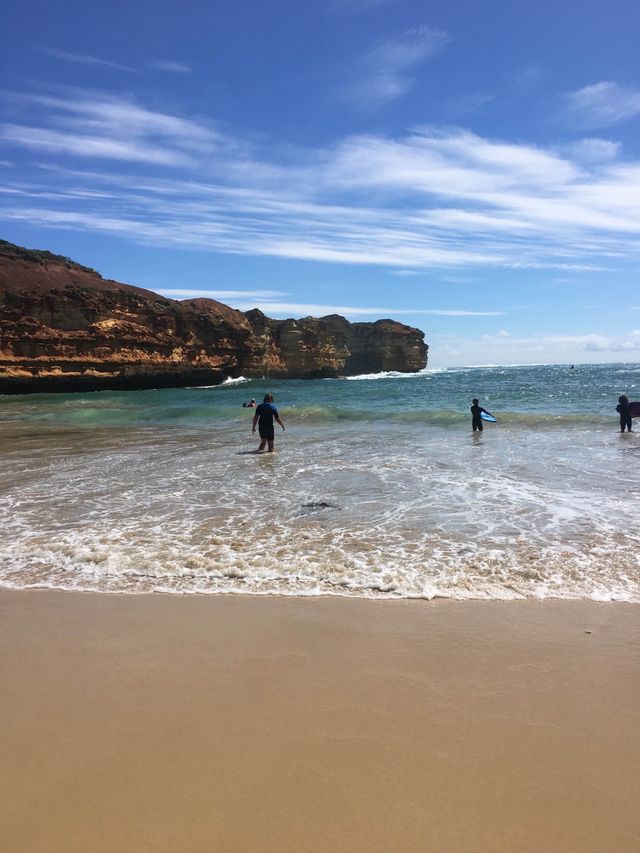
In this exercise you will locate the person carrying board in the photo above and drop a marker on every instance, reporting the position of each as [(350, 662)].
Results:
[(476, 415)]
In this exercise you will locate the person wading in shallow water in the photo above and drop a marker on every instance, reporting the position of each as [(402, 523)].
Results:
[(265, 414), (476, 411), (623, 410)]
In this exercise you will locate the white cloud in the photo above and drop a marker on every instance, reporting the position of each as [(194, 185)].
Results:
[(449, 350), (301, 309), (84, 59), (601, 105), (170, 66), (117, 117), (512, 87), (383, 73), (189, 293), (91, 146), (592, 150), (436, 199), (472, 102), (92, 125), (267, 301)]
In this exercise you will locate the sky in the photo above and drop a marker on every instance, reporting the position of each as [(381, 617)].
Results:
[(469, 167)]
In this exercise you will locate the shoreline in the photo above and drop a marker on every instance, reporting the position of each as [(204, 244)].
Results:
[(379, 596), (244, 723)]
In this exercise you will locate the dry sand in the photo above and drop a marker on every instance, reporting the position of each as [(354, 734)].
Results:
[(159, 723)]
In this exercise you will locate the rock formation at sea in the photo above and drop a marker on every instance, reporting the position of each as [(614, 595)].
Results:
[(65, 328)]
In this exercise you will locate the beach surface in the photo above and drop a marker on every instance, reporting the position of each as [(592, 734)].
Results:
[(239, 723)]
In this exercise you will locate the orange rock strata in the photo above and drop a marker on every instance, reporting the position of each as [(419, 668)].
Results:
[(65, 328)]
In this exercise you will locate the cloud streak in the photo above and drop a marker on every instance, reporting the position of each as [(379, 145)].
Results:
[(601, 105), (84, 59), (170, 66), (383, 74), (167, 65), (437, 199), (190, 293), (541, 348), (246, 300)]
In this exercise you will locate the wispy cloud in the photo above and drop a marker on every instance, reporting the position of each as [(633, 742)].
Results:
[(272, 307), (91, 125), (269, 302), (190, 293), (166, 65), (627, 342), (511, 88), (171, 67), (384, 75), (436, 199), (542, 348), (592, 150), (472, 102), (91, 146), (601, 105), (84, 59), (78, 109)]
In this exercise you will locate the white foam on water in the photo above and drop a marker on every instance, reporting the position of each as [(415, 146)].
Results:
[(408, 513), (390, 374), (238, 380)]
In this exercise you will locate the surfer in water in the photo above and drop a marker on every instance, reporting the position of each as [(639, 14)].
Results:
[(265, 415), (476, 411), (623, 410), (250, 405)]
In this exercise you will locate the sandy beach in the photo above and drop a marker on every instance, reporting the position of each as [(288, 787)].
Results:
[(230, 723)]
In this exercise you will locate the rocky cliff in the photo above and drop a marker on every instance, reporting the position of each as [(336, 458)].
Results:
[(65, 328)]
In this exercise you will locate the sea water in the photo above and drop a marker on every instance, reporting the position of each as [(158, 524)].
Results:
[(378, 488)]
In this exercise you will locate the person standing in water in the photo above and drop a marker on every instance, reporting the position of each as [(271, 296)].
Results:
[(623, 409), (476, 411), (265, 415)]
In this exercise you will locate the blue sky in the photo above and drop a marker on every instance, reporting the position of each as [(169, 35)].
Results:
[(470, 168)]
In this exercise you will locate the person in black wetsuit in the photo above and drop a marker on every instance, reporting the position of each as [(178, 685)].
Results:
[(265, 415), (623, 409), (476, 410)]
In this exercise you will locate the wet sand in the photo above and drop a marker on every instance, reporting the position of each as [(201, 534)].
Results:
[(166, 723)]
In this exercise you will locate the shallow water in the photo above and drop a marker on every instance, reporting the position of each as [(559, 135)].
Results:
[(378, 488)]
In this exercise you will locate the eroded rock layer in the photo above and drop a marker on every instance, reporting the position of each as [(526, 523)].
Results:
[(65, 328)]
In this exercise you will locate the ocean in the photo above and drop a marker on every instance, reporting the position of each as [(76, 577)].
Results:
[(378, 488)]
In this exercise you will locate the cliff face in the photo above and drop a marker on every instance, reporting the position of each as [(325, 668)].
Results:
[(63, 328)]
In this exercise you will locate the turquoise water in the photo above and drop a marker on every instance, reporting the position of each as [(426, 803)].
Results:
[(520, 394), (377, 488)]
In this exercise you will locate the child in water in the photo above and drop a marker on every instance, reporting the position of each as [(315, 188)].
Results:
[(476, 411), (623, 409)]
